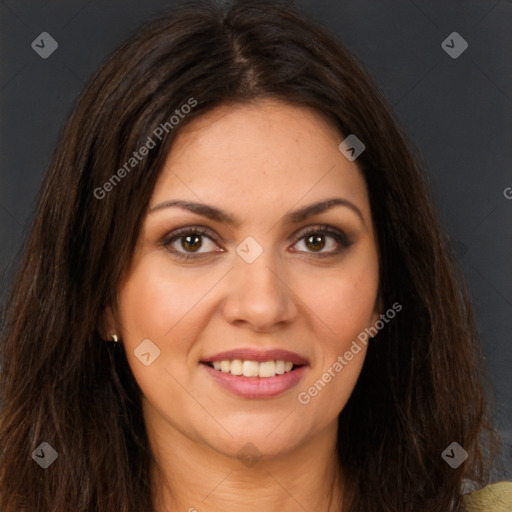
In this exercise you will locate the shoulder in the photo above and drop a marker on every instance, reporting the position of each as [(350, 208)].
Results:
[(491, 498)]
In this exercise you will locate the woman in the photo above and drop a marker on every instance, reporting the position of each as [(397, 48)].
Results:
[(236, 293)]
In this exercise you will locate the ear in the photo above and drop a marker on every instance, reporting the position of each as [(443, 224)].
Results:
[(107, 324)]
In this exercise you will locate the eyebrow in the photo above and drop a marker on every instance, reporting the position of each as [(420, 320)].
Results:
[(293, 217)]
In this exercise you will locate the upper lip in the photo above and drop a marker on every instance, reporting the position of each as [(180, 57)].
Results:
[(252, 354)]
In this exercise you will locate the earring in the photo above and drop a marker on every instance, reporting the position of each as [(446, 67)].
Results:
[(115, 338)]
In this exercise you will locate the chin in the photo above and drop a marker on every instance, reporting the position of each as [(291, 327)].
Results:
[(255, 442)]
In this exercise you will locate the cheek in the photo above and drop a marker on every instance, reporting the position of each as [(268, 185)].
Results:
[(347, 305), (156, 304), (345, 311), (344, 306), (152, 306), (155, 299), (344, 301), (164, 304), (148, 305)]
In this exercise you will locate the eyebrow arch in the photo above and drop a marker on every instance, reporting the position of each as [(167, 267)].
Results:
[(293, 217)]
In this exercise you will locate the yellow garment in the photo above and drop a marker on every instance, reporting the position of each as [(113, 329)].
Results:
[(492, 498)]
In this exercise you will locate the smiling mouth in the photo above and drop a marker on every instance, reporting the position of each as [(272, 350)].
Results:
[(253, 369)]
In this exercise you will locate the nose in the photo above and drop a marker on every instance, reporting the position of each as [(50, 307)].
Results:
[(259, 295)]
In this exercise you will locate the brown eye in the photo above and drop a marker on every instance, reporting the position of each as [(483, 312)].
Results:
[(318, 238), (315, 242), (190, 242)]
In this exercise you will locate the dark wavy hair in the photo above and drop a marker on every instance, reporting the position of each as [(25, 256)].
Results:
[(421, 386)]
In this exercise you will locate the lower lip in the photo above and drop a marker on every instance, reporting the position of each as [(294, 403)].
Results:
[(257, 387)]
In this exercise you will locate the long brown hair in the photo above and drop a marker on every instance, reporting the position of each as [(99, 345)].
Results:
[(421, 384)]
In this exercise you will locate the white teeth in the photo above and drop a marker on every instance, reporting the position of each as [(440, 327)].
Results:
[(250, 368), (253, 368), (267, 369), (237, 367)]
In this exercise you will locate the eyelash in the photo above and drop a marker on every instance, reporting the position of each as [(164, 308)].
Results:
[(340, 237)]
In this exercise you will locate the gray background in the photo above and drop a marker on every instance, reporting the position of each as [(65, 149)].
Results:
[(456, 111)]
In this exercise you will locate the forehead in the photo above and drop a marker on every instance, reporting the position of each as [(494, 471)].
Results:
[(262, 153)]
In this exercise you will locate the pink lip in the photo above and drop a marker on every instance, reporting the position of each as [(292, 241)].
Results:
[(251, 354), (256, 387)]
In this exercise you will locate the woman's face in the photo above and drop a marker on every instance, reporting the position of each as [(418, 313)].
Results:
[(267, 273)]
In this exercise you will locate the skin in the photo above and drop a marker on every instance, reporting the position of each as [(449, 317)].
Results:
[(255, 161)]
